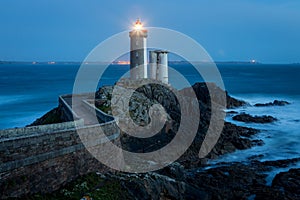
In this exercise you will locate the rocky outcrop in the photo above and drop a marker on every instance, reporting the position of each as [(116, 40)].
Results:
[(223, 181), (156, 186), (53, 116), (274, 103), (243, 117), (233, 181), (190, 177), (232, 137), (203, 94), (289, 182)]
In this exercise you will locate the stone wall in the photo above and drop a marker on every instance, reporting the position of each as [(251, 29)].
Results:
[(47, 175), (42, 162), (100, 114), (68, 113), (44, 158), (34, 130)]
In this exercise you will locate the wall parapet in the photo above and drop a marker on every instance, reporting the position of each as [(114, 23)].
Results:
[(69, 114), (13, 133), (104, 117)]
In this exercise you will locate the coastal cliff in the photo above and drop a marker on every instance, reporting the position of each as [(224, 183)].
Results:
[(189, 177)]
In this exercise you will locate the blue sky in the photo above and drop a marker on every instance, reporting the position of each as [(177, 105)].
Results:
[(231, 30)]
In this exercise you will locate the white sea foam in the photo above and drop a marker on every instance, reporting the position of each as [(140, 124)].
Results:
[(281, 138)]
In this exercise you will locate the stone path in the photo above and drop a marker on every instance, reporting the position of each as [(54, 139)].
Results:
[(80, 109)]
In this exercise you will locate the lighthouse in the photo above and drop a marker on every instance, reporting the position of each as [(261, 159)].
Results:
[(138, 51)]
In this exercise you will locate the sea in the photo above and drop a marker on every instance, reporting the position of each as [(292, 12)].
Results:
[(27, 91)]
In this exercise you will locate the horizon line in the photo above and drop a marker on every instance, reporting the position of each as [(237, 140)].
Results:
[(127, 62)]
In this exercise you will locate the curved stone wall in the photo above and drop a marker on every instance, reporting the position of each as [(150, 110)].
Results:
[(42, 158)]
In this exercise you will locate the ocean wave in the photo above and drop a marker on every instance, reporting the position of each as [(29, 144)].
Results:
[(11, 99), (281, 138)]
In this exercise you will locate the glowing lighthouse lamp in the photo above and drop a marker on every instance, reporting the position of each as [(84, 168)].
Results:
[(138, 51), (138, 25)]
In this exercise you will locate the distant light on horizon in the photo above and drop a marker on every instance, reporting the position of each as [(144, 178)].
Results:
[(123, 62)]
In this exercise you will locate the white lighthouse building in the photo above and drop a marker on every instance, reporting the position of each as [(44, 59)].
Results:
[(138, 51), (158, 59)]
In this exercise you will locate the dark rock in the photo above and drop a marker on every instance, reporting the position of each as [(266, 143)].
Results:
[(274, 103), (157, 186), (280, 103), (232, 112), (232, 137), (233, 102), (280, 163), (255, 157), (223, 181), (174, 170), (257, 142), (104, 92), (243, 117), (203, 95), (51, 117), (236, 181), (233, 181), (289, 182)]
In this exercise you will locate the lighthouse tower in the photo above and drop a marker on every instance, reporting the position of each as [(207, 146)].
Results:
[(158, 61), (138, 51)]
